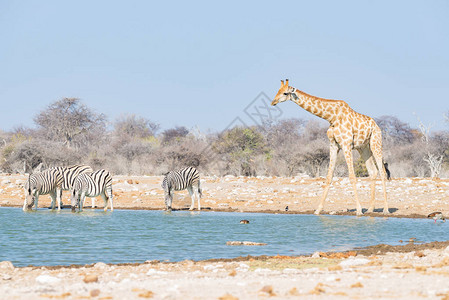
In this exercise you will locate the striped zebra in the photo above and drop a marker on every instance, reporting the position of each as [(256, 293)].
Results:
[(187, 178), (92, 185), (69, 175), (47, 182)]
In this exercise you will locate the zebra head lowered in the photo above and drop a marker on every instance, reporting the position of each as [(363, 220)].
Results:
[(30, 194), (75, 195)]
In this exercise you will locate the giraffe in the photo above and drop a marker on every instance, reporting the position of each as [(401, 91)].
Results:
[(348, 130)]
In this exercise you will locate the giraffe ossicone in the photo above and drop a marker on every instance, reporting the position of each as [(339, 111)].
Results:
[(348, 130)]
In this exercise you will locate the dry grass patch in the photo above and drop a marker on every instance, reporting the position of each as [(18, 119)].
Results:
[(357, 285), (62, 296), (403, 266), (299, 263), (267, 291), (319, 289), (442, 263), (227, 296), (293, 292), (420, 268)]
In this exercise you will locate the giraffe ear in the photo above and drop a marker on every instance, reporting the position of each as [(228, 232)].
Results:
[(282, 83), (286, 82)]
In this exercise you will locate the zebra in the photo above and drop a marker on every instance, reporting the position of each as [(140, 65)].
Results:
[(69, 175), (92, 185), (182, 179), (42, 183)]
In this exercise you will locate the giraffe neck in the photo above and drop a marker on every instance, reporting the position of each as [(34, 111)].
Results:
[(323, 108)]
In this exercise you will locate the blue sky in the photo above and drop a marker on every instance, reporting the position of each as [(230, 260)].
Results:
[(201, 63)]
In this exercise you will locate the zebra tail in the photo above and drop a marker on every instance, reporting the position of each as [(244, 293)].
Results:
[(200, 192)]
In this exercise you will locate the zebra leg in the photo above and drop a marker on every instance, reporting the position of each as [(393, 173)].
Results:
[(53, 197), (110, 197), (105, 200), (36, 200), (199, 194), (58, 197), (25, 206), (192, 196), (82, 197), (93, 202), (168, 200), (52, 203)]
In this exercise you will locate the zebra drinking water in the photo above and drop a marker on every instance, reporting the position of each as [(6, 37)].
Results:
[(69, 175), (42, 183), (92, 185), (187, 178)]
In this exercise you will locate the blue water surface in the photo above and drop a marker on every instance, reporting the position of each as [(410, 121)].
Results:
[(46, 237)]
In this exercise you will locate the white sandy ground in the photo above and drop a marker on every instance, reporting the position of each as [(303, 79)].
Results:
[(414, 275)]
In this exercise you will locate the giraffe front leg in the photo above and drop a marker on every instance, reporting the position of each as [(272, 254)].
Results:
[(352, 178), (330, 173)]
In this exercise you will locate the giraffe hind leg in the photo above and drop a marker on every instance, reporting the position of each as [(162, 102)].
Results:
[(367, 157), (383, 178), (376, 148), (349, 161)]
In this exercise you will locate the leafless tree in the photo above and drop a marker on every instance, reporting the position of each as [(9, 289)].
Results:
[(434, 156), (394, 130), (174, 134), (134, 126), (67, 120)]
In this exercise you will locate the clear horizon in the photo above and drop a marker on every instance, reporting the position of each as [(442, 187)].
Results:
[(201, 64)]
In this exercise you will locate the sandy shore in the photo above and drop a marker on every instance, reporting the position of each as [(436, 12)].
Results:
[(407, 272)]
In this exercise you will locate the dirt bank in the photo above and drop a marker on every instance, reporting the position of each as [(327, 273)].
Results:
[(404, 272), (408, 197)]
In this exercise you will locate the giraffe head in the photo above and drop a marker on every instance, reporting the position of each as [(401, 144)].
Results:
[(285, 93)]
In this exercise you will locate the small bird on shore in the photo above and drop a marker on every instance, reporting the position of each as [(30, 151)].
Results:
[(437, 216), (286, 208), (244, 222)]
